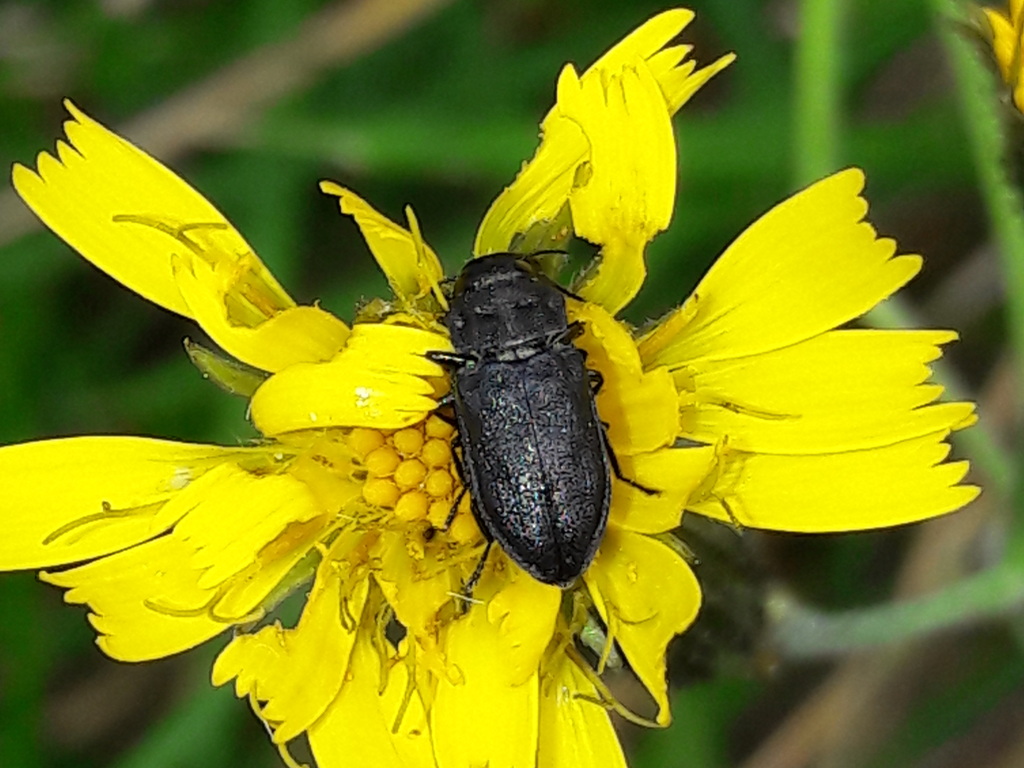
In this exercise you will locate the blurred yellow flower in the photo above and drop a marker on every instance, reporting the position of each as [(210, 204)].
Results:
[(1004, 32), (743, 404)]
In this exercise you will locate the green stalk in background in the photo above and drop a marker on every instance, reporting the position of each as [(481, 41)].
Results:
[(980, 107), (818, 90)]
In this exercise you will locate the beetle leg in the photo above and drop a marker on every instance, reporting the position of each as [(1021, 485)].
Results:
[(573, 331), (461, 471), (569, 294), (448, 359), (471, 582), (457, 460), (531, 259), (614, 462), (448, 401), (596, 379), (455, 509)]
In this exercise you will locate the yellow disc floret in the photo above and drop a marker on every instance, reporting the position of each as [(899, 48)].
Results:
[(410, 475)]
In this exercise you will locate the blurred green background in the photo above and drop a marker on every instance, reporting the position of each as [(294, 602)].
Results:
[(435, 104)]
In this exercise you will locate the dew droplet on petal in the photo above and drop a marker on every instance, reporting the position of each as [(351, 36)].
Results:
[(182, 476)]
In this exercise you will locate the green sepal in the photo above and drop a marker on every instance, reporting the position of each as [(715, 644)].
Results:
[(230, 375)]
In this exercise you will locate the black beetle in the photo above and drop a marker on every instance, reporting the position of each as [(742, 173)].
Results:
[(534, 453)]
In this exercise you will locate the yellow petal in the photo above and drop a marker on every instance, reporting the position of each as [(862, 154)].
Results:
[(100, 177), (640, 414), (416, 589), (646, 594), (238, 517), (271, 339), (639, 408), (808, 265), (626, 195), (644, 41), (675, 75), (674, 473), (679, 83), (852, 491), (145, 601), (377, 381), (573, 731), (1004, 41), (358, 728), (541, 190), (413, 270), (278, 567), (78, 498), (478, 718), (298, 672), (609, 345), (524, 610), (1018, 93), (840, 391)]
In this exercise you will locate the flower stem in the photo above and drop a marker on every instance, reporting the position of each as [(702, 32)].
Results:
[(980, 105), (818, 89), (802, 633)]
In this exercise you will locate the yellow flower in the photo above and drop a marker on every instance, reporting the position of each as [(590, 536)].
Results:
[(1004, 33), (744, 404)]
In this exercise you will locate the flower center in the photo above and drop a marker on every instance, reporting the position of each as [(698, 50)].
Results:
[(411, 473)]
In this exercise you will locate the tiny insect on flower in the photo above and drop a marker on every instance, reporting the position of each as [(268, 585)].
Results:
[(750, 404)]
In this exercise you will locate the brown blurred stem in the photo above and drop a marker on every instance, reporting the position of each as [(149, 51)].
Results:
[(215, 109)]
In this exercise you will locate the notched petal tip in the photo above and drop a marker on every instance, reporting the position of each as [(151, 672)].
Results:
[(629, 192), (145, 601), (811, 264), (546, 184), (296, 674), (412, 269), (22, 175), (845, 390), (97, 190), (882, 487)]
